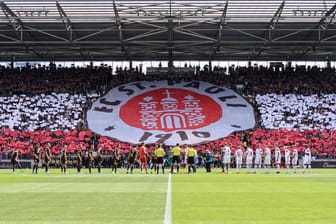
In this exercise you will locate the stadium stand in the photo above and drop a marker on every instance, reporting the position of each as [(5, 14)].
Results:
[(31, 80), (297, 111), (56, 111), (295, 106)]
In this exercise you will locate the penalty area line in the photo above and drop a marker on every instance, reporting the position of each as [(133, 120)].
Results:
[(168, 210)]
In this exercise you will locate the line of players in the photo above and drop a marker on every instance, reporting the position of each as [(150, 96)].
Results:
[(95, 156), (258, 157), (46, 159), (262, 157)]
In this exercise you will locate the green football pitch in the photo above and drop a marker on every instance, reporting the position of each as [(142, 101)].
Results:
[(145, 198)]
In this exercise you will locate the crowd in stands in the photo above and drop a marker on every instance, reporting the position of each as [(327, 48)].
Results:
[(32, 80), (290, 111), (48, 104), (283, 80), (56, 111), (321, 142)]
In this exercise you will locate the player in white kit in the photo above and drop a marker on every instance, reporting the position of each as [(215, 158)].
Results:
[(287, 158), (249, 159), (258, 158), (239, 158), (226, 158), (267, 159), (295, 157), (307, 160), (277, 157)]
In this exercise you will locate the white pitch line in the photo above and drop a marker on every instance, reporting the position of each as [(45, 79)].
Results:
[(168, 210)]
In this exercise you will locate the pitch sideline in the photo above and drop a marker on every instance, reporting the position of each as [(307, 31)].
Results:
[(168, 209)]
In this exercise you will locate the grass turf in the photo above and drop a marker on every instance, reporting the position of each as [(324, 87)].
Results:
[(255, 198), (140, 198), (55, 198)]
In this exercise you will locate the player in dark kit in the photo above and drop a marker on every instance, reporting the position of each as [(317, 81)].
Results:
[(90, 159), (79, 161), (15, 160), (47, 158), (100, 158), (36, 158), (64, 160), (154, 159), (131, 159), (115, 159)]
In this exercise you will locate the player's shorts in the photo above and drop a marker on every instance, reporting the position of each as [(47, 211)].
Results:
[(239, 161), (191, 160), (227, 159), (267, 161), (143, 159), (131, 160), (294, 162), (176, 159), (257, 160), (306, 161), (170, 160), (159, 160)]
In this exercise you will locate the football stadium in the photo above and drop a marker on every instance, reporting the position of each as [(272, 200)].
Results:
[(173, 111)]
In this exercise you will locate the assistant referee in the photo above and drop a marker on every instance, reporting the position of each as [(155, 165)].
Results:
[(176, 158)]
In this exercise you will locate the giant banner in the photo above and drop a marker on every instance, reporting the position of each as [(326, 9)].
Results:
[(166, 112)]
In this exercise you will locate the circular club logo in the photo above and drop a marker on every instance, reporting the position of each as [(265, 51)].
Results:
[(161, 111), (170, 109)]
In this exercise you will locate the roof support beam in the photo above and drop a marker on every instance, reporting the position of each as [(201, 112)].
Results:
[(13, 20), (195, 23), (292, 33), (275, 19), (194, 34), (46, 33), (327, 15), (245, 33), (271, 27), (321, 25), (233, 43), (94, 34), (328, 38), (147, 23), (170, 37), (13, 17), (66, 20), (146, 34), (169, 30), (120, 28), (37, 53), (326, 20), (222, 21), (170, 43), (9, 38)]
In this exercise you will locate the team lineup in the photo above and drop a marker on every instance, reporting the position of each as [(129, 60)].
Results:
[(173, 158)]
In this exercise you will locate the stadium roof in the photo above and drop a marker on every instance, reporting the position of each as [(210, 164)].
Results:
[(167, 30)]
